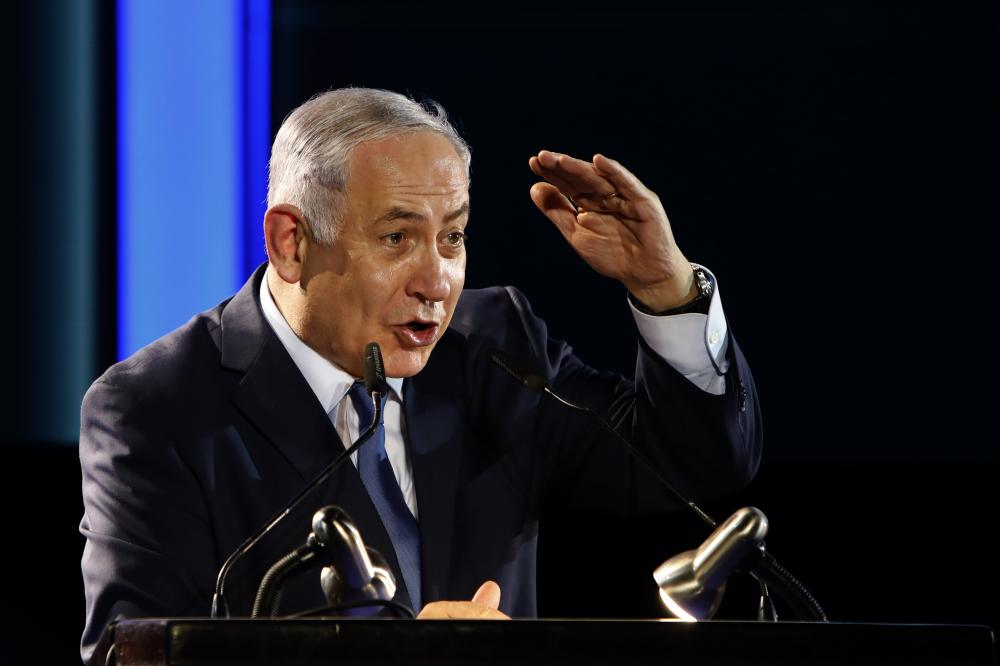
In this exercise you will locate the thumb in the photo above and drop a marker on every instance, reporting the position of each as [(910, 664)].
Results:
[(488, 594)]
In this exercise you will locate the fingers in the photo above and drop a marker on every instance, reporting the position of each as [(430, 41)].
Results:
[(623, 180), (570, 220), (551, 201), (488, 594), (604, 186), (553, 176), (607, 203), (459, 610), (602, 223), (484, 606), (570, 175)]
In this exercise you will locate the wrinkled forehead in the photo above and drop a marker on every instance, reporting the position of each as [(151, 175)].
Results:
[(420, 161)]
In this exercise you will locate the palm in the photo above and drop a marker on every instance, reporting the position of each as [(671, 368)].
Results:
[(617, 247)]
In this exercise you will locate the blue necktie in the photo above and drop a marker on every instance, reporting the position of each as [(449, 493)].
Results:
[(383, 489)]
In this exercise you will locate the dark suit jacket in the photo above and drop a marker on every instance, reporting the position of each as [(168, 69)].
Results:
[(194, 442)]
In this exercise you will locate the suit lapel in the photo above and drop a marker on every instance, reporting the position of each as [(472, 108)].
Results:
[(434, 420), (273, 394)]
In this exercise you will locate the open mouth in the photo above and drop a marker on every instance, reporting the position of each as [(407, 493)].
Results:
[(416, 333)]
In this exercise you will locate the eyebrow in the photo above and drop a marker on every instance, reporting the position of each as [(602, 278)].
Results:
[(400, 213)]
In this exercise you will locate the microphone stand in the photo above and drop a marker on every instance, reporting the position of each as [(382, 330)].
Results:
[(768, 572), (219, 605), (377, 388)]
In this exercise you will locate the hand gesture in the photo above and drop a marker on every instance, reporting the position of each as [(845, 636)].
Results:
[(484, 606), (616, 224)]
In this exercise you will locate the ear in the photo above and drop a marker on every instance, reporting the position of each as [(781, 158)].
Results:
[(285, 238)]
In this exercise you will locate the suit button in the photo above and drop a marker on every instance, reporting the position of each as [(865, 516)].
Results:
[(743, 396)]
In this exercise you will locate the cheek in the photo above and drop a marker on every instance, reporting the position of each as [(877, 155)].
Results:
[(376, 291), (457, 272), (457, 278), (383, 274)]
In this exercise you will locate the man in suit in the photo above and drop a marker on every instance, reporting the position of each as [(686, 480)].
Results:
[(195, 441)]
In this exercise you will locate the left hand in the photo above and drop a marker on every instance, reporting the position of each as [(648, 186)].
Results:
[(485, 605), (616, 224)]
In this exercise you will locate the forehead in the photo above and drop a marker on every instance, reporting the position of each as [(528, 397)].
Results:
[(421, 162)]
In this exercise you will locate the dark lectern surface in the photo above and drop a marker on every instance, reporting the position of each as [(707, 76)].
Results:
[(192, 642)]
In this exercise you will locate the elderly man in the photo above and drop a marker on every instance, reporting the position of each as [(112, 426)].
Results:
[(195, 441)]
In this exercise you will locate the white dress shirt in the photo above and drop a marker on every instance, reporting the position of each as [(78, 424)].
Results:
[(694, 344)]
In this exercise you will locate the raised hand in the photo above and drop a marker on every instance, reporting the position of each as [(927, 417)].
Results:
[(616, 224)]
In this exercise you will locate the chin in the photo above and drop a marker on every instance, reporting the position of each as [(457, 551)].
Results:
[(405, 362)]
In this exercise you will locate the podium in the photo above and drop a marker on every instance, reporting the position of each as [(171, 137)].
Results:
[(197, 642)]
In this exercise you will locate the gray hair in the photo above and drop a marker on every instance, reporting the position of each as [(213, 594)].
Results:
[(310, 155)]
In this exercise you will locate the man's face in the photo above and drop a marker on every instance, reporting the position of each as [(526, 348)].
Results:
[(397, 268)]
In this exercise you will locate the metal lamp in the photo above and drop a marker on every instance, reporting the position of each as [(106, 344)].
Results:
[(693, 582)]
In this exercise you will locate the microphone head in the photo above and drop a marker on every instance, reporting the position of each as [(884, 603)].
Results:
[(374, 370), (354, 572), (693, 582), (531, 380), (342, 545), (382, 586), (329, 524)]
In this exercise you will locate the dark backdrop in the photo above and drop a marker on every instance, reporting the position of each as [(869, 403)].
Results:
[(829, 162)]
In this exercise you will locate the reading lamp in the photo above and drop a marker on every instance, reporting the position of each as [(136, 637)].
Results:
[(693, 582)]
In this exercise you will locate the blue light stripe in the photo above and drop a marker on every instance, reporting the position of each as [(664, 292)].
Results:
[(184, 150), (124, 238), (257, 128)]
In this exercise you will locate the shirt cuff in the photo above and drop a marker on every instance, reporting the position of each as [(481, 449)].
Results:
[(694, 344)]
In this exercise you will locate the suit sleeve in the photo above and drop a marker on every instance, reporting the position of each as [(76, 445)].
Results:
[(148, 549), (705, 445)]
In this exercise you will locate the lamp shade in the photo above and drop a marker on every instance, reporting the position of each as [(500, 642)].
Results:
[(693, 582)]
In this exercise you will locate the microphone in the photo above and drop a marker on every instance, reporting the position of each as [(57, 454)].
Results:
[(691, 583), (355, 573), (352, 575), (375, 374), (374, 370), (765, 569)]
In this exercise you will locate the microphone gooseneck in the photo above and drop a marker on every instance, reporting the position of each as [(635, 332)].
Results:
[(298, 561), (769, 572), (374, 369), (537, 384), (531, 380), (763, 566)]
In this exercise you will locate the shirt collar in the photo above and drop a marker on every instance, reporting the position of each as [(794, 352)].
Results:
[(329, 382)]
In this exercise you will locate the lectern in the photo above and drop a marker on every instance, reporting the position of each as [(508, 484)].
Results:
[(196, 642)]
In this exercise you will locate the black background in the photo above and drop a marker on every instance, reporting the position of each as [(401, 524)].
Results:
[(830, 162)]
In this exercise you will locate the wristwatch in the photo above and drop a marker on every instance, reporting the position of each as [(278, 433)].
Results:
[(706, 287)]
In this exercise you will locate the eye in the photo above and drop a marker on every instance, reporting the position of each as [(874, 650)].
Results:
[(456, 239), (395, 238)]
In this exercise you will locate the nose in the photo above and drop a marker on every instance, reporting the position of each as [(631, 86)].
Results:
[(431, 279)]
